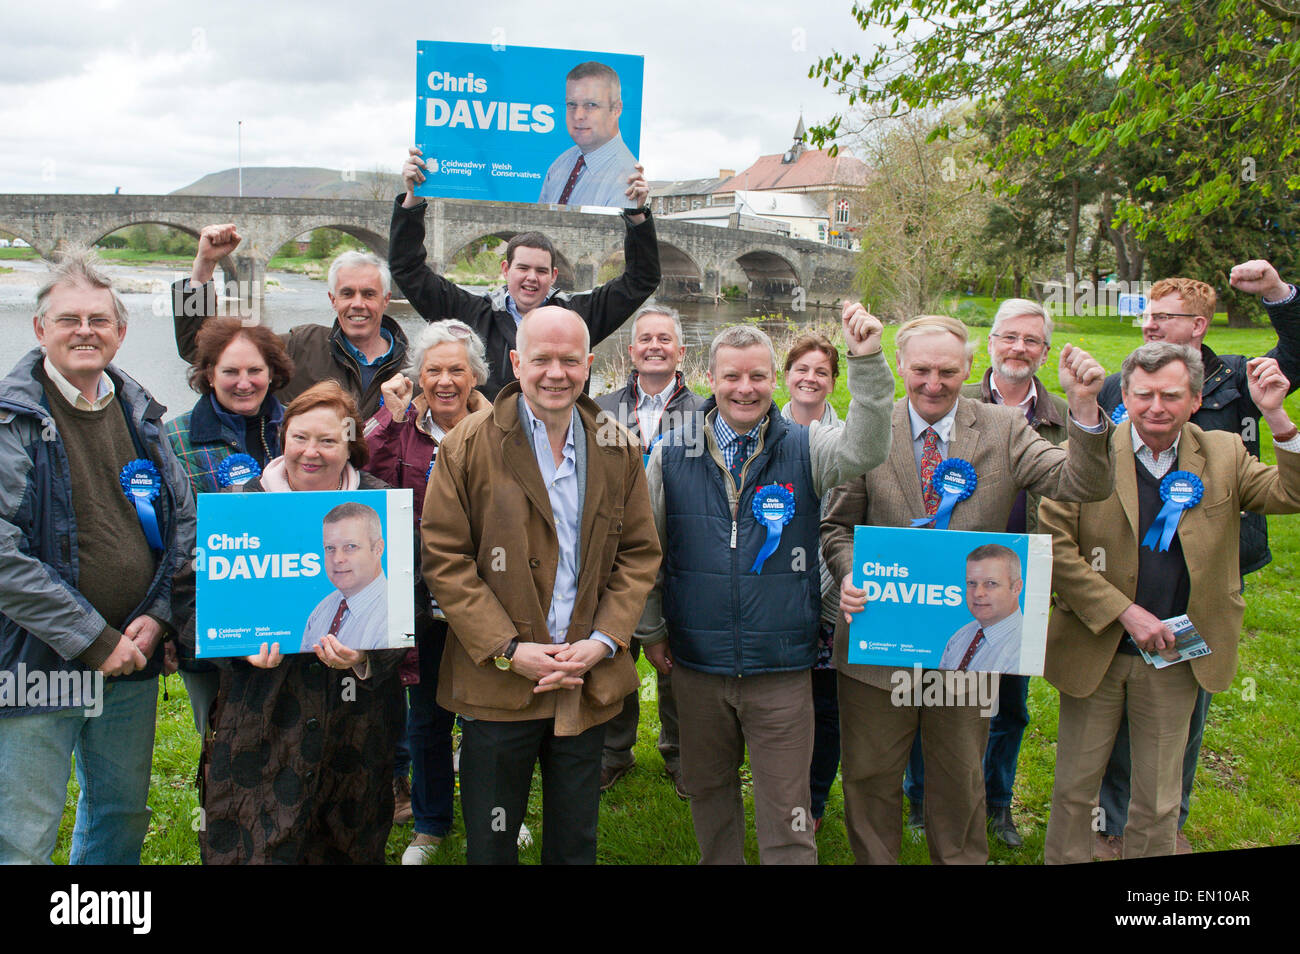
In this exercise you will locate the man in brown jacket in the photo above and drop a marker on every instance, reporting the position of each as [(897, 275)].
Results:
[(539, 545), (1008, 457), (1114, 594)]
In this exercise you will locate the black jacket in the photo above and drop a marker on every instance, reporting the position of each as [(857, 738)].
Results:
[(1226, 405), (682, 403), (604, 308)]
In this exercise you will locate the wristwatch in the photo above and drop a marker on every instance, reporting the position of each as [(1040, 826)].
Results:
[(503, 660)]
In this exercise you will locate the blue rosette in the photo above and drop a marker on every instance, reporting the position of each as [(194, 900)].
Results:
[(1119, 415), (774, 508), (955, 479), (142, 484), (1180, 490), (237, 469)]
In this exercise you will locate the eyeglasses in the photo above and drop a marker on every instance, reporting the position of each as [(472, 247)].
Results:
[(1029, 341), (458, 329), (586, 107), (68, 323), (1160, 317)]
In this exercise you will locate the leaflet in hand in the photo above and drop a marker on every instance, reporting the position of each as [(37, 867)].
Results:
[(1188, 644)]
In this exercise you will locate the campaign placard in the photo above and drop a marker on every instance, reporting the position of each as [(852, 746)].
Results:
[(527, 124), (952, 599), (290, 568)]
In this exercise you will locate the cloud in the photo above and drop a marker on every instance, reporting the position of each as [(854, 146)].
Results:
[(143, 97)]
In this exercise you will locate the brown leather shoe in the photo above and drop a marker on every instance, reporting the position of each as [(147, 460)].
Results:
[(1107, 847), (401, 800), (608, 776), (1183, 847)]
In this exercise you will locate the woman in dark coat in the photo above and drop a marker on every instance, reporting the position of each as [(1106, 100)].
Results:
[(300, 763)]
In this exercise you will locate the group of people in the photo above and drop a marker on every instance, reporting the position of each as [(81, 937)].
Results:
[(559, 537)]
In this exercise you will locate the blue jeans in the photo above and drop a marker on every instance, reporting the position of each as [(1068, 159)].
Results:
[(114, 752), (428, 735), (1000, 756), (1114, 794)]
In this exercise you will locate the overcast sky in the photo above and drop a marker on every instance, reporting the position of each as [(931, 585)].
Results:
[(146, 95)]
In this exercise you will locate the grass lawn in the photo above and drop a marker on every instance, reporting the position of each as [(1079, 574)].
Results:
[(1245, 787)]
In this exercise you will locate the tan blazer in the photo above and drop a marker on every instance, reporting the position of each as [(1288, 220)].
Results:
[(490, 553), (1084, 630), (1007, 455)]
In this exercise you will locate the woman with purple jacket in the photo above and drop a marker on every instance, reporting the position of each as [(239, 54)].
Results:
[(447, 361)]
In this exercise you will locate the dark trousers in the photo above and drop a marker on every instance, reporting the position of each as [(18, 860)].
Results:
[(428, 736), (826, 738), (1114, 796), (1006, 731), (496, 769), (620, 731)]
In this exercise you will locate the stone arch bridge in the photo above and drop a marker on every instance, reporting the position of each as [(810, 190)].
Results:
[(695, 259)]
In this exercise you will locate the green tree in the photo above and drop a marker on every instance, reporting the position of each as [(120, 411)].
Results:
[(1224, 74), (923, 210)]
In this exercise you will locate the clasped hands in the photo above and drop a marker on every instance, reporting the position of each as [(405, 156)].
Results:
[(557, 665)]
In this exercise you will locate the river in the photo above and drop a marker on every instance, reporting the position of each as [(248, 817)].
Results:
[(149, 351)]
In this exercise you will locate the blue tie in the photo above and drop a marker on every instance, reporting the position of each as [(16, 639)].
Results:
[(742, 454)]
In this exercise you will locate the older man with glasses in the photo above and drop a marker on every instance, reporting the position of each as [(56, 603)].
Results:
[(1179, 311), (1019, 343)]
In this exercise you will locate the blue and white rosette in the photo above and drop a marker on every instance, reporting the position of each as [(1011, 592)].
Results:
[(774, 508), (1180, 490), (237, 469), (1119, 415), (955, 479), (142, 484)]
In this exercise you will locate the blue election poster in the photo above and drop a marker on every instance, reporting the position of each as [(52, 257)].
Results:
[(951, 599), (525, 124), (290, 568)]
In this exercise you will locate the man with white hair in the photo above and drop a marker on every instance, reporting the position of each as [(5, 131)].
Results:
[(362, 349), (1019, 342), (96, 517)]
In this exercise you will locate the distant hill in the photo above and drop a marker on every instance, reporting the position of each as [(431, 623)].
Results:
[(297, 182)]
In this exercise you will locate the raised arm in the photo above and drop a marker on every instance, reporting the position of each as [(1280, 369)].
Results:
[(607, 306), (841, 453), (196, 298), (1258, 277), (428, 292)]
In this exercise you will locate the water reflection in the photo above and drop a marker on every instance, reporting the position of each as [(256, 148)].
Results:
[(149, 351)]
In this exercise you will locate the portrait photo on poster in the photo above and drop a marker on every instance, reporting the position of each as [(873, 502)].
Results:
[(527, 124), (951, 599), (293, 568)]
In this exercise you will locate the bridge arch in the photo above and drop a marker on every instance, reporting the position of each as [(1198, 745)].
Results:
[(371, 239), (98, 233), (18, 233), (564, 280), (769, 272), (681, 274)]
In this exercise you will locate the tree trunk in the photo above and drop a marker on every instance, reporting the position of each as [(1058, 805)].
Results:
[(1239, 314), (1019, 279), (1072, 236)]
